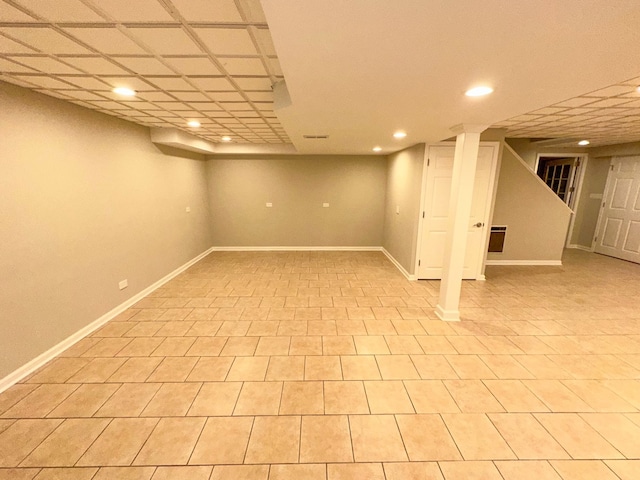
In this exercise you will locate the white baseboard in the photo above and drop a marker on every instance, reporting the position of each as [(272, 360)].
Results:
[(525, 262), (296, 249), (31, 366), (580, 247), (398, 266)]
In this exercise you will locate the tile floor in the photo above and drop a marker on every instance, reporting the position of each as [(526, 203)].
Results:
[(330, 365)]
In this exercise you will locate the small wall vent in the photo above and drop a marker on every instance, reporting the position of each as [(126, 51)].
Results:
[(315, 137), (496, 239)]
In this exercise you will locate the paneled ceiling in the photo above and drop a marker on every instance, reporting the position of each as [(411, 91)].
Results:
[(207, 60)]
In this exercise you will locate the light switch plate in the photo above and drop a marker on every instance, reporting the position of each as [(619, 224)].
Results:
[(269, 204)]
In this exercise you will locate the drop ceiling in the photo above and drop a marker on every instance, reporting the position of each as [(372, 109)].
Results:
[(355, 70)]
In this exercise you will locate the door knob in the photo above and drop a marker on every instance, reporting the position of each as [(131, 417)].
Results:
[(478, 225)]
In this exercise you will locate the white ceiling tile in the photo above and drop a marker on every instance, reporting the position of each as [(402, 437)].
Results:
[(144, 65), (260, 96), (9, 46), (59, 11), (206, 106), (107, 105), (8, 66), (254, 83), (95, 65), (11, 14), (83, 95), (129, 82), (226, 96), (212, 83), (45, 64), (173, 106), (190, 96), (138, 11), (611, 91), (208, 10), (88, 83), (243, 66), (170, 83), (155, 96), (43, 81), (193, 65), (45, 39), (227, 41), (609, 102), (107, 40), (166, 41)]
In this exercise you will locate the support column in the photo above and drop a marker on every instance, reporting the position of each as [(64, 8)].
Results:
[(464, 173)]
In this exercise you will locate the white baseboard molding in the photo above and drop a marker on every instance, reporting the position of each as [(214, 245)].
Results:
[(398, 266), (580, 247), (554, 263), (31, 366), (296, 249)]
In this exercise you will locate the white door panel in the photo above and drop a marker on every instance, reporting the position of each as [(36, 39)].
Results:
[(619, 227)]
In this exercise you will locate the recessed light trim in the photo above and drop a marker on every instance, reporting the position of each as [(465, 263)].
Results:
[(584, 142), (194, 124), (124, 91), (377, 149), (478, 91), (400, 134), (226, 138)]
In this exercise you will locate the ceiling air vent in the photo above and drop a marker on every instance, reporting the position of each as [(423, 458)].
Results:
[(315, 137)]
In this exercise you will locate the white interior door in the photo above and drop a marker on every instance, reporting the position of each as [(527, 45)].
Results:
[(436, 211), (619, 227)]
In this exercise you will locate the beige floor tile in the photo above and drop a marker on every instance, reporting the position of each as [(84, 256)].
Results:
[(223, 441), (426, 438), (433, 367), (376, 438), (285, 368), (351, 471), (618, 430), (77, 473), (388, 397), (207, 346), (322, 327), (505, 367), (175, 330), (472, 396), (396, 367), (182, 473), (542, 368), (172, 400), (125, 473), (58, 370), (274, 440), (430, 396), (173, 369), (18, 473), (14, 394), (412, 471), (174, 347), (351, 327), (298, 472), (627, 389), (129, 401), (370, 345), (135, 369), (98, 370), (476, 437), (345, 398), (435, 345), (575, 435), (325, 439), (294, 329), (85, 401), (322, 368), (302, 398), (239, 346), (625, 469), (527, 470), (268, 346), (107, 347), (259, 398), (210, 369), (119, 443), (598, 397), (556, 396), (532, 345), (240, 472), (470, 471), (469, 367), (583, 470), (248, 369), (514, 396), (408, 327), (338, 345), (306, 345), (361, 367), (141, 347), (467, 345), (171, 442), (66, 444), (41, 401), (215, 399), (526, 437), (403, 344), (17, 441), (499, 345)]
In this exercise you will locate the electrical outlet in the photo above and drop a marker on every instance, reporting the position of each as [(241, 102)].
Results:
[(188, 209), (123, 284), (269, 204), (325, 205)]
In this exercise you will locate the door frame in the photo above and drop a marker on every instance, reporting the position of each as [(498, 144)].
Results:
[(493, 183)]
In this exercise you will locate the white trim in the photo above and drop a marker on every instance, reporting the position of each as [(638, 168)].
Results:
[(296, 249), (31, 366), (398, 266), (447, 315), (525, 262), (580, 247)]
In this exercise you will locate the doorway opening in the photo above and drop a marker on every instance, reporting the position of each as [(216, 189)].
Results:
[(560, 174)]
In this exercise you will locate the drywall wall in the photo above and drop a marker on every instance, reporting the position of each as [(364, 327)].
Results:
[(621, 149), (536, 219), (402, 205), (588, 209), (86, 200), (297, 187)]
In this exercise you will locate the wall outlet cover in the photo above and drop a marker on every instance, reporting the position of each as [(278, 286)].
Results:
[(123, 284)]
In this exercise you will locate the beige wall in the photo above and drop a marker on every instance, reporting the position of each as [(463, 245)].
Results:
[(595, 179), (297, 186), (536, 219), (86, 201), (529, 151), (404, 184)]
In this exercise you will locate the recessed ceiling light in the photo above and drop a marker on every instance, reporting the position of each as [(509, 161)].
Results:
[(583, 142), (400, 134), (194, 123), (377, 149), (478, 91), (226, 139), (124, 91)]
